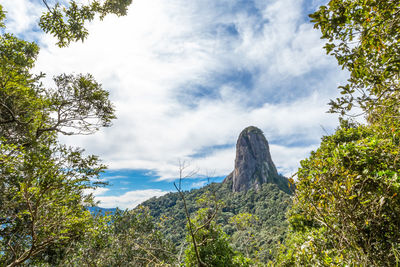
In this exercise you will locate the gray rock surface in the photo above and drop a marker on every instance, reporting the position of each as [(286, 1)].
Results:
[(253, 163)]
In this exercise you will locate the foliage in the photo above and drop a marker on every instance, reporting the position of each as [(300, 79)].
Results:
[(127, 238), (242, 221), (348, 192), (208, 244), (310, 247), (346, 208), (42, 200), (364, 38), (78, 104), (213, 244), (244, 225), (67, 22), (43, 183), (269, 205)]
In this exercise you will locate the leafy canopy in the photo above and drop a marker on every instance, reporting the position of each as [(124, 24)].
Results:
[(347, 205), (126, 238), (363, 35), (43, 184), (346, 208), (67, 22)]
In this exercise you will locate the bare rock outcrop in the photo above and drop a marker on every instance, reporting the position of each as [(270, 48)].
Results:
[(253, 163)]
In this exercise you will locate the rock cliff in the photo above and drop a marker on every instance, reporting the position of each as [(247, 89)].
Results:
[(253, 163)]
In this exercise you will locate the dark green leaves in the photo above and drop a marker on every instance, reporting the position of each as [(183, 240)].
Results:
[(43, 184), (80, 105), (67, 23), (126, 238), (348, 189), (364, 38)]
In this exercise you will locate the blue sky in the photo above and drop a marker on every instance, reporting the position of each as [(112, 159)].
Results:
[(186, 77)]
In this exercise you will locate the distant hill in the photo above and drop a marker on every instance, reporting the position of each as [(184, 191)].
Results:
[(103, 211)]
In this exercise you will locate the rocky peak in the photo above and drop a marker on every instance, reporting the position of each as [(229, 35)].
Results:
[(253, 163)]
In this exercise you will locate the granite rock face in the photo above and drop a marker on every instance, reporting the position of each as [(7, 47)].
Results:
[(253, 163)]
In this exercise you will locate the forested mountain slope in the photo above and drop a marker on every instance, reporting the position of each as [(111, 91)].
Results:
[(255, 200), (269, 204)]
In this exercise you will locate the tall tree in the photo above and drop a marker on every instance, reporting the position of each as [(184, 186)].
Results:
[(208, 243), (43, 183), (364, 38), (346, 208)]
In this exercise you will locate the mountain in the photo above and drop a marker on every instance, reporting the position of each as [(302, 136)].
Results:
[(253, 163), (253, 187)]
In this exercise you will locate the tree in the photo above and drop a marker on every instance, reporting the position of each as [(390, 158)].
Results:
[(346, 204), (244, 222), (42, 201), (346, 208), (42, 198), (261, 239), (67, 22), (364, 38), (125, 238), (208, 244)]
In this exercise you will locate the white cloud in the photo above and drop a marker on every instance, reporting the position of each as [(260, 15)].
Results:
[(97, 191), (199, 184), (128, 200), (155, 60), (113, 177), (22, 16)]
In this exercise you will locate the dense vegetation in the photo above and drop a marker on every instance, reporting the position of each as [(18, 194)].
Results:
[(346, 208), (42, 183), (258, 238), (125, 238)]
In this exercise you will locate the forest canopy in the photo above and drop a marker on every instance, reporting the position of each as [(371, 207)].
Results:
[(42, 182), (346, 207)]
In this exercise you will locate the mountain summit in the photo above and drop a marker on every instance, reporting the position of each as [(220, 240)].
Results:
[(253, 163), (254, 171)]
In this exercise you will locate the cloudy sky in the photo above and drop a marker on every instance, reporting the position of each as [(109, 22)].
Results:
[(186, 77)]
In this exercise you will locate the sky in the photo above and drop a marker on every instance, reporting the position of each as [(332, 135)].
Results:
[(185, 78)]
